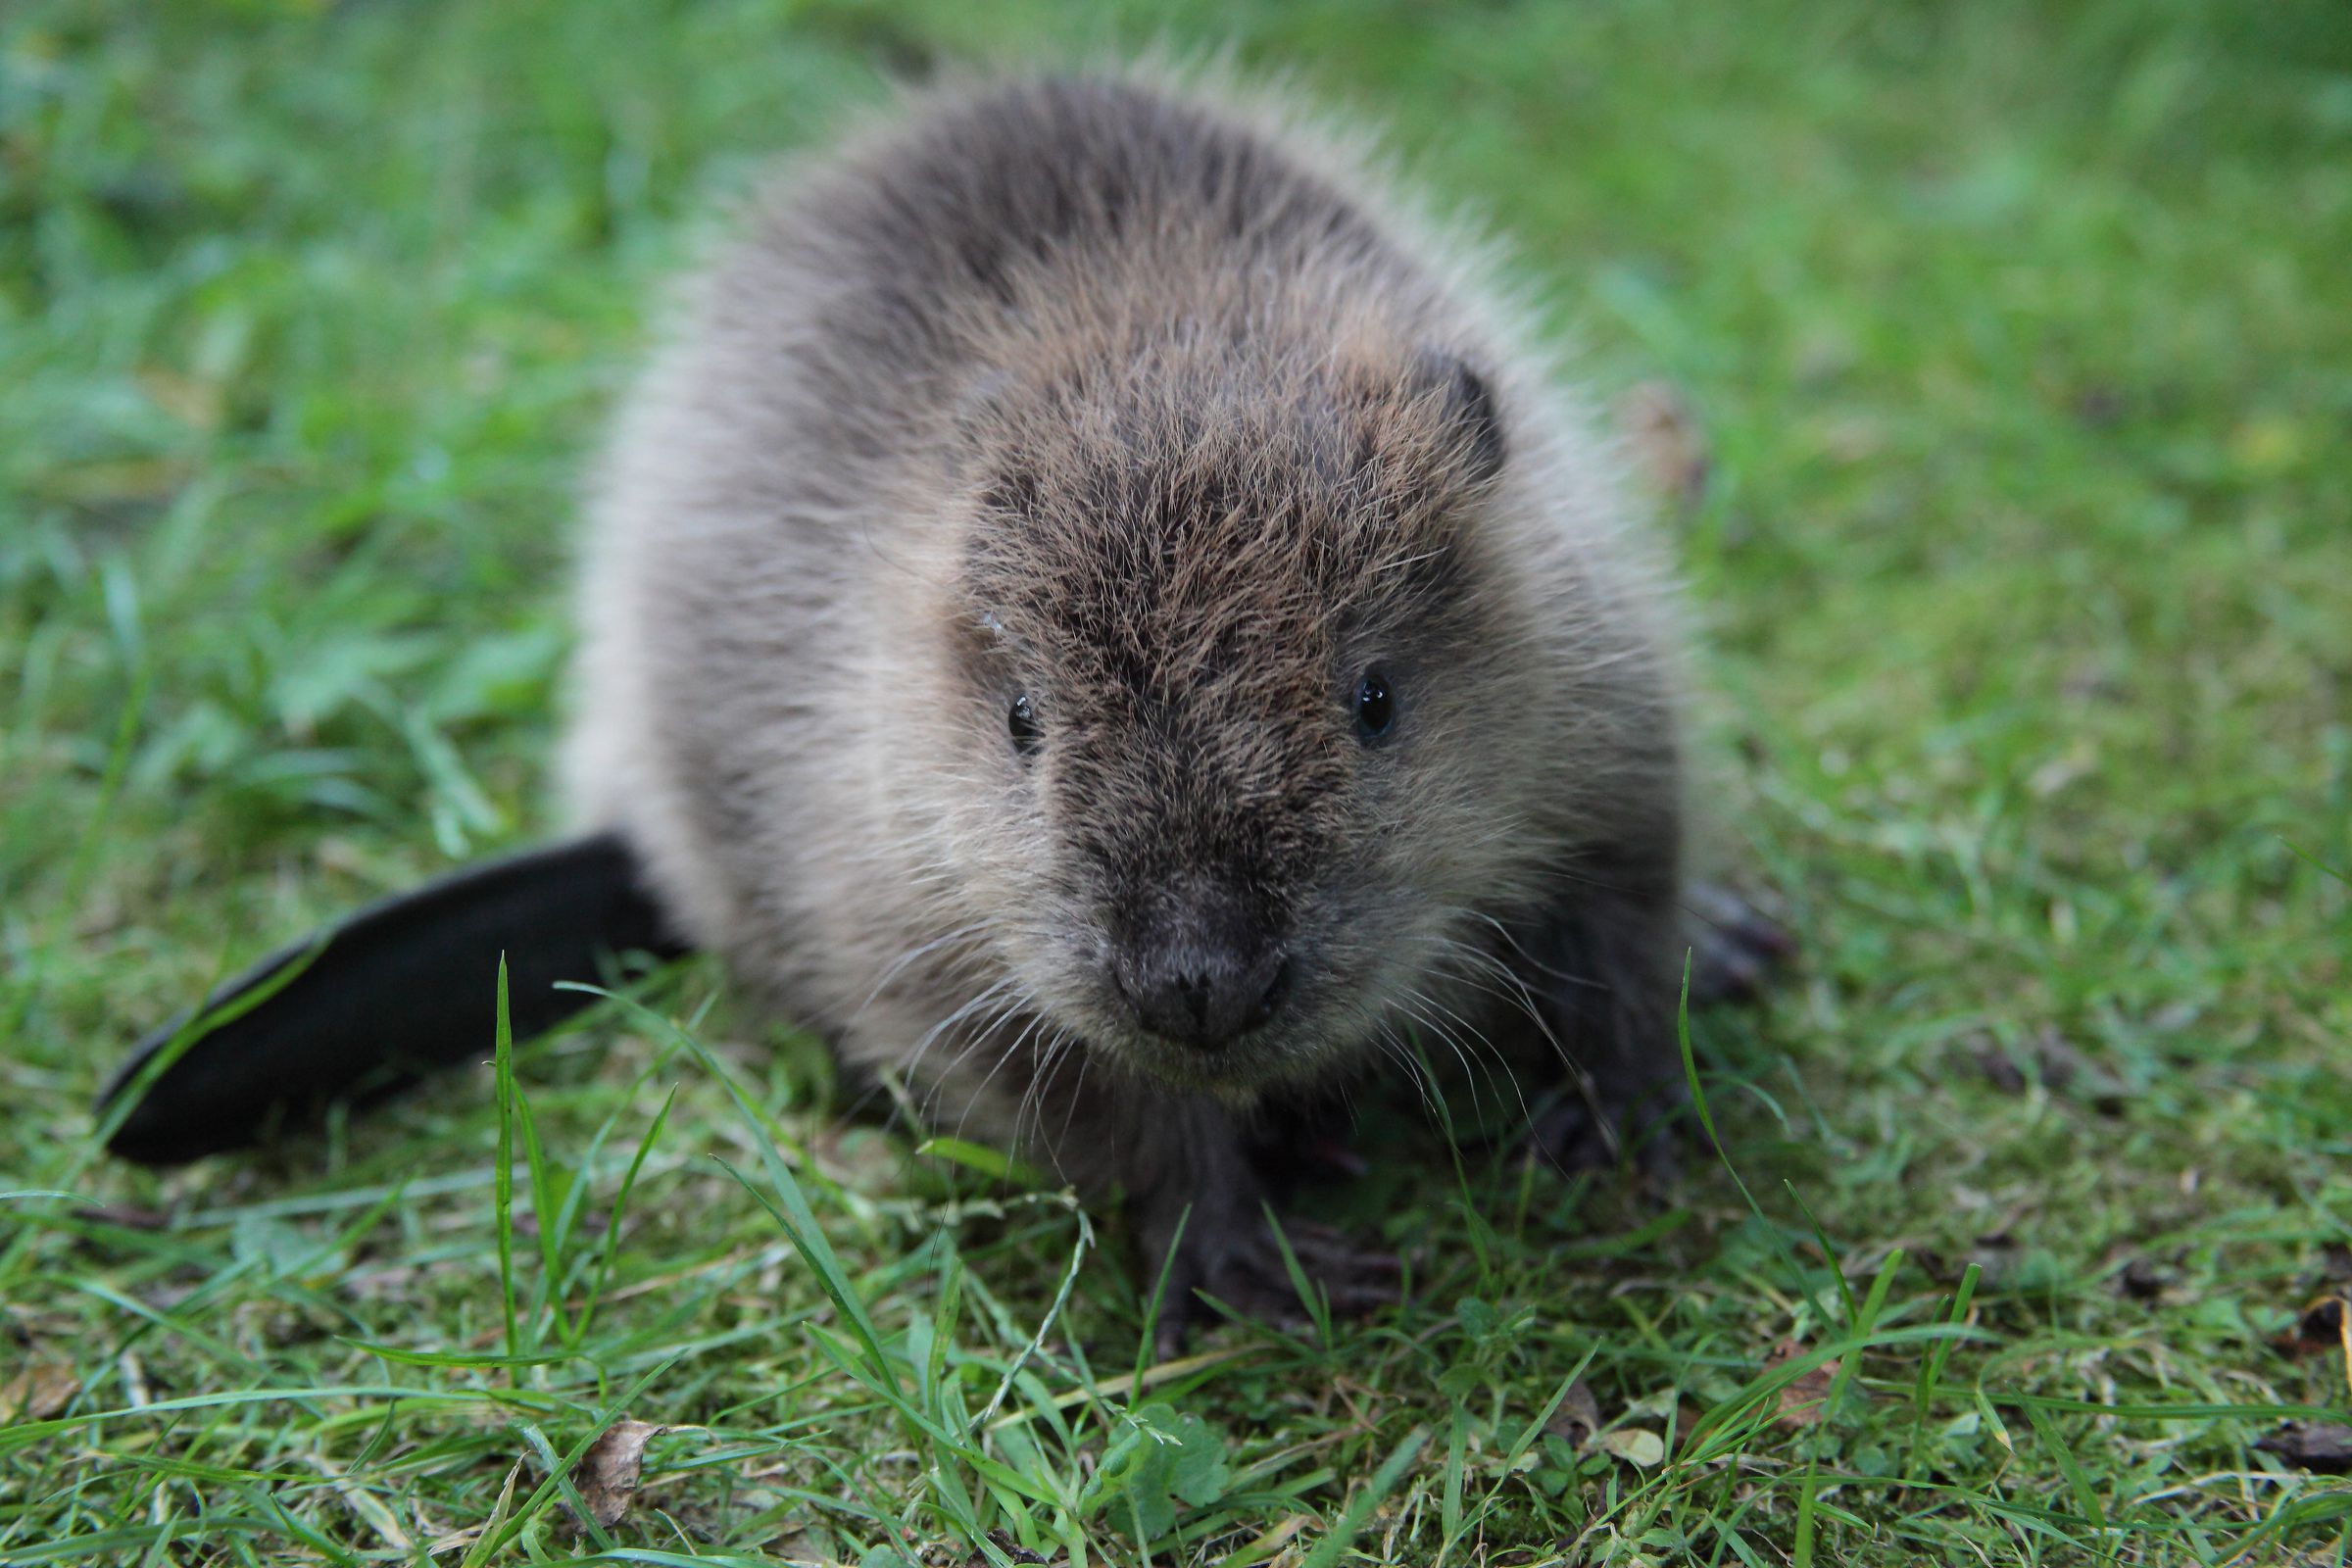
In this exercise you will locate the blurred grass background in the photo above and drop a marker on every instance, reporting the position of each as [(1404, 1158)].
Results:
[(2021, 337)]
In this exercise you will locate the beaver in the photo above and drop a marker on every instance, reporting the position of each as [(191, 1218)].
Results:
[(1099, 609)]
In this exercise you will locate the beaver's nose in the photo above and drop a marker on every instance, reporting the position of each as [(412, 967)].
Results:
[(1202, 984)]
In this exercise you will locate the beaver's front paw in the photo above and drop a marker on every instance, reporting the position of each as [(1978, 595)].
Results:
[(1735, 947), (1238, 1264)]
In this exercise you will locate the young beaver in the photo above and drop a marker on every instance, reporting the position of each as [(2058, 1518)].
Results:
[(1104, 616)]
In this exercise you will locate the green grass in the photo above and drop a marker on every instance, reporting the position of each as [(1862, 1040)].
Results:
[(2023, 334)]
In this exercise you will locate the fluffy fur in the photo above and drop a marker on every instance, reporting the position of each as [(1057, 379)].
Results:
[(1163, 414)]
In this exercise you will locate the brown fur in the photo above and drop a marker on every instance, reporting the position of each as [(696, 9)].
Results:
[(1160, 412)]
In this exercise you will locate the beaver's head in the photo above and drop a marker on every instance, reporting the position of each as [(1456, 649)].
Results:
[(1243, 697)]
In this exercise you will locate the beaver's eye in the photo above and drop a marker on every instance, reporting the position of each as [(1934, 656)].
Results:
[(1375, 708), (1022, 722)]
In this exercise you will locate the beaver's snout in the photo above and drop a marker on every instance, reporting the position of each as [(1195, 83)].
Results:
[(1202, 976)]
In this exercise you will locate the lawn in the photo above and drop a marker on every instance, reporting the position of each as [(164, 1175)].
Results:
[(2021, 337)]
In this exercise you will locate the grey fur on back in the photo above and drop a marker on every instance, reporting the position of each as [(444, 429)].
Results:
[(1165, 407)]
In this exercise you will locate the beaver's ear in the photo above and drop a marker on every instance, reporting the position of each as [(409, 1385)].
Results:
[(398, 989), (1469, 409)]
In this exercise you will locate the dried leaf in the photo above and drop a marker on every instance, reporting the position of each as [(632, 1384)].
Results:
[(39, 1391), (606, 1474), (2324, 1448), (1802, 1400), (1637, 1446), (1577, 1418)]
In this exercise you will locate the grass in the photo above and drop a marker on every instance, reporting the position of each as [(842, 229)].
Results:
[(2023, 335)]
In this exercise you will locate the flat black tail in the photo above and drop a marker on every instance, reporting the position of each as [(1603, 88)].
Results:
[(397, 990)]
